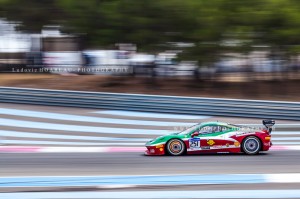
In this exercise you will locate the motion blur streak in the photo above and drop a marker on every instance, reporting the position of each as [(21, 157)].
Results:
[(76, 128), (153, 115), (136, 180), (219, 194), (57, 116), (45, 126), (49, 181), (88, 164)]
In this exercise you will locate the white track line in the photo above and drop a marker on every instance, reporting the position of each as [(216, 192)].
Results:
[(216, 194), (152, 115), (8, 134), (78, 128), (69, 117), (33, 142)]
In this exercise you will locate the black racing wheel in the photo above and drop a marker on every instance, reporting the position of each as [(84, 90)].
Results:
[(251, 145), (175, 147)]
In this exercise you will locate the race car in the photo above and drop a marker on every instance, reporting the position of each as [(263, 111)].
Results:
[(213, 137)]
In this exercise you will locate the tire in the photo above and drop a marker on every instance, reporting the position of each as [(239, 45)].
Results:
[(251, 145), (175, 147)]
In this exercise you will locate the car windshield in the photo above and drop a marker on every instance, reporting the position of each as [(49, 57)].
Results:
[(188, 130)]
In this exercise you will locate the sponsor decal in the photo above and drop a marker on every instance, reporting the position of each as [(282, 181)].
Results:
[(217, 146), (160, 146), (210, 142), (205, 147), (227, 144), (237, 144), (244, 133), (194, 143)]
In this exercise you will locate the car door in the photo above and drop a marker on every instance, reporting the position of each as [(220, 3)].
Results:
[(215, 139), (198, 141), (207, 135), (211, 138)]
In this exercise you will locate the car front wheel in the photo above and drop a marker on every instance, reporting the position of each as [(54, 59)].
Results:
[(175, 147)]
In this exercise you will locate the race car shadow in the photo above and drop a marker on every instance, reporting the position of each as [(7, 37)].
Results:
[(212, 154), (225, 154)]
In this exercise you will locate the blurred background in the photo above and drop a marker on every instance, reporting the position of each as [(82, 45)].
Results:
[(216, 40), (244, 49)]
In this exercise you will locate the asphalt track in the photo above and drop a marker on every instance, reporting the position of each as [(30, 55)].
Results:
[(69, 164), (24, 123)]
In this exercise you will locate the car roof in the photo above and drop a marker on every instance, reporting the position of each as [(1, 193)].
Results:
[(215, 123)]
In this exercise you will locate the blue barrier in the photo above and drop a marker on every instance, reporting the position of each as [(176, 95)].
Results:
[(154, 103)]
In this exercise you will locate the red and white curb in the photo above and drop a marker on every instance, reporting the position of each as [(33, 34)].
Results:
[(33, 149), (37, 149)]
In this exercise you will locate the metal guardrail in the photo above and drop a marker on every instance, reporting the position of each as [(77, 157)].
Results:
[(154, 103)]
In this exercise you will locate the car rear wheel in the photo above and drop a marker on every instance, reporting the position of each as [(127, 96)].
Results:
[(175, 147), (251, 145)]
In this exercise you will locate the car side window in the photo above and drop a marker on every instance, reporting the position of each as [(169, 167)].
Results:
[(224, 128), (209, 129), (205, 130), (217, 129), (213, 129)]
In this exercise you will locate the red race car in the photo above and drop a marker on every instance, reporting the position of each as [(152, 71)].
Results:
[(213, 137)]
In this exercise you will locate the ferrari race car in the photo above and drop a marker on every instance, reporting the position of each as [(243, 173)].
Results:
[(213, 137)]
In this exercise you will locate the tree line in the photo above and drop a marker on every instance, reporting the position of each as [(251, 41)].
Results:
[(212, 26)]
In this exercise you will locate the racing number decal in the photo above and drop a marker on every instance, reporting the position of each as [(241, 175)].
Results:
[(194, 143)]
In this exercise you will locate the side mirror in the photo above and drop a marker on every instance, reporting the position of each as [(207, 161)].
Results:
[(195, 134)]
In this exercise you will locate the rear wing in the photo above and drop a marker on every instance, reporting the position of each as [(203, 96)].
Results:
[(268, 124)]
